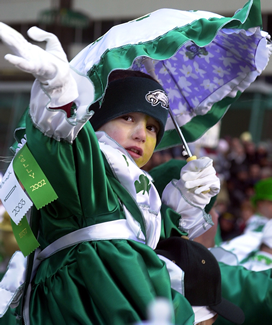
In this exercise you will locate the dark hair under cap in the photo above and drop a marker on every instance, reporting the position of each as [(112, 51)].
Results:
[(132, 94)]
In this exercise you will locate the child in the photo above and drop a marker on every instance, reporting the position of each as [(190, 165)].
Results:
[(97, 240)]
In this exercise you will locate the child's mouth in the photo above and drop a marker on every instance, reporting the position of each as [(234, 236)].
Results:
[(135, 152)]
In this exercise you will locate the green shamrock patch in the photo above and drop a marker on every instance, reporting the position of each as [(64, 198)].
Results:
[(143, 184)]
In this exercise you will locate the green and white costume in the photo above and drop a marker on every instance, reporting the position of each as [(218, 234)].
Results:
[(259, 261), (97, 238), (256, 223), (260, 258), (245, 245)]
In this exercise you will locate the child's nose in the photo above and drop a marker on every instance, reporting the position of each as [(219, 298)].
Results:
[(139, 133)]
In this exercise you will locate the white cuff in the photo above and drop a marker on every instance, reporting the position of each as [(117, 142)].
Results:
[(54, 122), (62, 95), (193, 220)]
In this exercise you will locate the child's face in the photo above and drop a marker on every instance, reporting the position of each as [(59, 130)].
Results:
[(136, 132)]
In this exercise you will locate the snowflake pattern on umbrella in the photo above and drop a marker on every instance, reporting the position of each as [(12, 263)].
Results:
[(196, 75)]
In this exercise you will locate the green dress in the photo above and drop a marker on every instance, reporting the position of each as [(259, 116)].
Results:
[(100, 281)]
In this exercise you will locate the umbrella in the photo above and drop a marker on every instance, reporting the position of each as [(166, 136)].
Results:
[(203, 60)]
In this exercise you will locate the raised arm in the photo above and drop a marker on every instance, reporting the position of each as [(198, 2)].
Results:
[(56, 84)]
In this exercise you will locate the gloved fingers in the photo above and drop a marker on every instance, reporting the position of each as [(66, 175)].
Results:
[(7, 32), (194, 184), (197, 168), (198, 164), (208, 189), (215, 188), (207, 172), (19, 62), (210, 179), (53, 45), (204, 190), (31, 66), (13, 39), (200, 199)]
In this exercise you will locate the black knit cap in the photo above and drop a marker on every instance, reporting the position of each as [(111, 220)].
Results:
[(132, 94), (202, 279)]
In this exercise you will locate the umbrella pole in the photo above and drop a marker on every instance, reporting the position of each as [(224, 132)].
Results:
[(150, 69), (186, 153)]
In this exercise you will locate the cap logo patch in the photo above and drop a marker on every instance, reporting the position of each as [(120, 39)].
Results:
[(156, 97)]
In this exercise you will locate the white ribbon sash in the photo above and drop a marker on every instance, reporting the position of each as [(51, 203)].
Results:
[(14, 199)]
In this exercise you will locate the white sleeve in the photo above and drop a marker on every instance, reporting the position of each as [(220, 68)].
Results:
[(242, 246), (193, 220), (54, 122)]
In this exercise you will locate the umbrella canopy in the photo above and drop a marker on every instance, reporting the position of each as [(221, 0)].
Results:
[(203, 60)]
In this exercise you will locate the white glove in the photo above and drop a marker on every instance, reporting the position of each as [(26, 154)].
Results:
[(49, 66), (198, 181)]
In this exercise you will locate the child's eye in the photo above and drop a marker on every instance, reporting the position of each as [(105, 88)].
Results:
[(153, 128), (127, 118)]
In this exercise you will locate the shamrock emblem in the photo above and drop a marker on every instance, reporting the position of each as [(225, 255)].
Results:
[(142, 185), (194, 50)]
